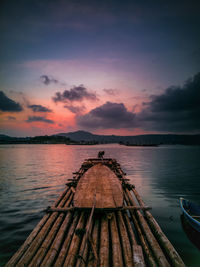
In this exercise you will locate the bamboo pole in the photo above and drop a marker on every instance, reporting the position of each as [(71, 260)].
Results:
[(32, 249), (129, 229), (53, 251), (83, 257), (158, 253), (16, 257), (64, 210), (57, 203), (95, 239), (164, 242), (138, 258), (65, 246), (145, 246), (94, 251), (126, 248), (74, 246), (116, 248), (39, 256), (91, 249), (37, 259), (104, 243), (85, 239)]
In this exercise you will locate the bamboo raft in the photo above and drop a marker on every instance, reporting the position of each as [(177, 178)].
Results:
[(101, 223)]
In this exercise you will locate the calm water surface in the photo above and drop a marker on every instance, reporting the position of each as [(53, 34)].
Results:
[(32, 176)]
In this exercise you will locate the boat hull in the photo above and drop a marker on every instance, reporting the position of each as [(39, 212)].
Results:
[(191, 213)]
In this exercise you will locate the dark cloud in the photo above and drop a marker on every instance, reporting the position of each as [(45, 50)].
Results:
[(109, 115), (177, 109), (39, 108), (7, 104), (77, 93), (111, 92), (75, 109), (36, 118), (179, 99), (47, 79)]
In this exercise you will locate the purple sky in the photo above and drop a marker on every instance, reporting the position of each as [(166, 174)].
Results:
[(114, 67)]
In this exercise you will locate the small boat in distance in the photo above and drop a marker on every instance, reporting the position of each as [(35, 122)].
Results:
[(191, 212)]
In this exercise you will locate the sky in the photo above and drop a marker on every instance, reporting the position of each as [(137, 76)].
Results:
[(109, 67)]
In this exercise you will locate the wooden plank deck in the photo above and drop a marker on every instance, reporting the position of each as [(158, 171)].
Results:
[(99, 186)]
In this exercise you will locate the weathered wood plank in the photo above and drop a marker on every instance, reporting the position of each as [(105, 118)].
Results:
[(99, 180), (104, 243), (116, 248)]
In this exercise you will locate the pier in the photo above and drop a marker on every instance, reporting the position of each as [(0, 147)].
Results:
[(99, 220)]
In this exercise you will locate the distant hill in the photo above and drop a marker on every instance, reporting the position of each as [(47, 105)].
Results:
[(137, 139), (83, 137), (79, 136), (87, 136)]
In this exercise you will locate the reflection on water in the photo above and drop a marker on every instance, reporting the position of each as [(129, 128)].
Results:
[(32, 176), (192, 234)]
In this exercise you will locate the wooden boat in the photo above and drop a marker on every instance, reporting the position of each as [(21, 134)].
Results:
[(99, 220), (192, 234), (191, 212)]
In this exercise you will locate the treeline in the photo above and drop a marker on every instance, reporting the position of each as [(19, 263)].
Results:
[(44, 139), (84, 138)]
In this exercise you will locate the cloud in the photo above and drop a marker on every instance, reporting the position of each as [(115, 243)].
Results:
[(37, 118), (111, 92), (75, 109), (9, 105), (110, 115), (177, 109), (47, 80), (39, 108), (77, 93)]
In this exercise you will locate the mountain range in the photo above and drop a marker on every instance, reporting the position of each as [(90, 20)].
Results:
[(84, 137), (137, 139)]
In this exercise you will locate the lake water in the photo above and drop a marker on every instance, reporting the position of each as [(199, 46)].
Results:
[(32, 177)]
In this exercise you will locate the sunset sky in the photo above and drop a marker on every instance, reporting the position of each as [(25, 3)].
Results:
[(108, 67)]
